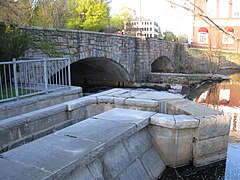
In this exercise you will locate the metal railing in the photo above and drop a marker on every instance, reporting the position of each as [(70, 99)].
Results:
[(24, 78)]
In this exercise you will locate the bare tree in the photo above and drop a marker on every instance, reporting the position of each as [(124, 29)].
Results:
[(191, 6)]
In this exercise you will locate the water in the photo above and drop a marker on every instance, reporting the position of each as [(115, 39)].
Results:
[(225, 97)]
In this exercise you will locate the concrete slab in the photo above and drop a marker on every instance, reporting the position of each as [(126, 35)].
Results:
[(199, 111), (126, 115), (97, 130), (184, 122), (45, 153), (141, 102), (157, 96), (13, 170), (164, 120)]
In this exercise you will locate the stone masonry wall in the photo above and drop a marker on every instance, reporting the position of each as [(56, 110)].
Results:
[(135, 55)]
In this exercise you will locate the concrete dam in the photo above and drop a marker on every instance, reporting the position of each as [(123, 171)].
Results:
[(115, 134)]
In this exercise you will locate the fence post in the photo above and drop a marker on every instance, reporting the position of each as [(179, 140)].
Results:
[(69, 73), (45, 75), (15, 78)]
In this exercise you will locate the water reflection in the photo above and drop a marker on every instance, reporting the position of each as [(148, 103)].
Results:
[(225, 97)]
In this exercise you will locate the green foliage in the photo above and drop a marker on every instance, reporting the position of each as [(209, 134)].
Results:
[(91, 15), (13, 44), (169, 36), (49, 13), (183, 38), (118, 20), (48, 48)]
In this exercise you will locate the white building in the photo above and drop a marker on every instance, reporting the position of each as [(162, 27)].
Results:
[(141, 27)]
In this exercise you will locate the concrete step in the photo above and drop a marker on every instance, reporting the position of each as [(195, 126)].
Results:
[(25, 105)]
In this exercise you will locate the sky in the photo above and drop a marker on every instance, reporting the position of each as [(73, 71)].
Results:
[(177, 20)]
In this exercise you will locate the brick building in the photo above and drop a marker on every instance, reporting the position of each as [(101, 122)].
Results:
[(226, 14)]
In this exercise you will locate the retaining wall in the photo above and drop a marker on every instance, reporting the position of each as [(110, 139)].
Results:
[(184, 132)]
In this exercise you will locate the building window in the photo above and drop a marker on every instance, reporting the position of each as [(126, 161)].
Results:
[(235, 8), (211, 8), (203, 35), (224, 9), (225, 38)]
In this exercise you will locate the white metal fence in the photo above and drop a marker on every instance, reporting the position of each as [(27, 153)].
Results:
[(24, 78)]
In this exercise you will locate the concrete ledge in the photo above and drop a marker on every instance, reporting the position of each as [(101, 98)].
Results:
[(14, 108), (85, 151), (176, 134), (174, 121)]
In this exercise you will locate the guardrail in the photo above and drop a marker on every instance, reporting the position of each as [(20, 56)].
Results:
[(22, 78)]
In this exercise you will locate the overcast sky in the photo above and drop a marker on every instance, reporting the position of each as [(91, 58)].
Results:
[(177, 20)]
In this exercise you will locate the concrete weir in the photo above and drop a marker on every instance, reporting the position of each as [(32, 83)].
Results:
[(116, 134)]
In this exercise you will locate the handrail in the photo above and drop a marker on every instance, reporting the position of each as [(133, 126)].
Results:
[(23, 78)]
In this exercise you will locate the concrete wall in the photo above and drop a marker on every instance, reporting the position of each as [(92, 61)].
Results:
[(188, 130), (34, 103), (86, 151)]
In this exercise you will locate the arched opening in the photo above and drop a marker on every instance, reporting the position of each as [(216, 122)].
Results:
[(98, 73), (163, 65)]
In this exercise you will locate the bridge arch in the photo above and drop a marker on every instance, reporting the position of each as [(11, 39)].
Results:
[(162, 65), (99, 71)]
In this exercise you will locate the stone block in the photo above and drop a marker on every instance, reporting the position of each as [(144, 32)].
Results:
[(209, 148), (45, 153), (212, 126), (158, 96), (137, 144), (153, 163), (79, 174), (119, 101), (134, 171), (185, 122), (163, 120), (96, 169), (115, 160), (175, 146), (165, 142), (95, 131), (139, 118), (199, 111), (141, 102), (105, 99), (15, 170), (80, 102)]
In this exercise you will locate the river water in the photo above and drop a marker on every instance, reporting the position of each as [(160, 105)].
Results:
[(225, 97)]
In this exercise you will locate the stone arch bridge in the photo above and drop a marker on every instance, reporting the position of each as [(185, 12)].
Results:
[(105, 59)]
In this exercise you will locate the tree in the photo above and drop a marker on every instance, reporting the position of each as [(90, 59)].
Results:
[(49, 13), (90, 15), (127, 14), (16, 11), (198, 12), (13, 44), (169, 36)]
